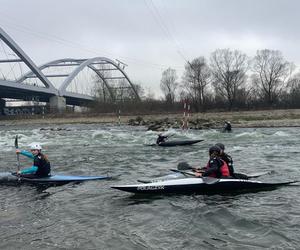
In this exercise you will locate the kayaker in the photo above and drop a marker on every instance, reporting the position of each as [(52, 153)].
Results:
[(216, 167), (41, 165), (226, 157), (227, 126), (161, 138)]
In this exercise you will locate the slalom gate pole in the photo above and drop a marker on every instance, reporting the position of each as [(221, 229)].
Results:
[(184, 119), (188, 116)]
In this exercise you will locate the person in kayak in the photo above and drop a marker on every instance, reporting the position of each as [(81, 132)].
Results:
[(161, 138), (227, 126), (41, 165), (216, 167), (226, 157)]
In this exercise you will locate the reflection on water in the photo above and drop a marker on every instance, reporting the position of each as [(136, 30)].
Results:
[(93, 216)]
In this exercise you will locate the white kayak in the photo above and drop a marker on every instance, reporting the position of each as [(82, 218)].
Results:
[(204, 185)]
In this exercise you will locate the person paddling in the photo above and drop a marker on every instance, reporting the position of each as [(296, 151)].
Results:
[(161, 138), (41, 165), (227, 126), (216, 167)]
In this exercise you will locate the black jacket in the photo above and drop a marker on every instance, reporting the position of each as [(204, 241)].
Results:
[(161, 138), (43, 165), (214, 165)]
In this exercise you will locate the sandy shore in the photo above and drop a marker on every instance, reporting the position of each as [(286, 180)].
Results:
[(266, 118)]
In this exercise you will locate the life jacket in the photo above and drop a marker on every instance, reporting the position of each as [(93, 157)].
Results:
[(223, 169), (228, 159), (43, 165)]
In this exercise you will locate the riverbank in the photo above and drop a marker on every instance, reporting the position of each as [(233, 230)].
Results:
[(266, 118)]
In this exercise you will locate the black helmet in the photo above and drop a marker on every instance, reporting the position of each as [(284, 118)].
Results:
[(214, 149), (221, 146)]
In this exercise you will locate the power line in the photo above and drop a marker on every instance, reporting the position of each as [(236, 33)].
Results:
[(57, 39), (159, 19), (173, 28)]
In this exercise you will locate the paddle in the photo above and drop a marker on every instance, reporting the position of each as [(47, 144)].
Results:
[(206, 180), (167, 136), (185, 166), (183, 172), (18, 158)]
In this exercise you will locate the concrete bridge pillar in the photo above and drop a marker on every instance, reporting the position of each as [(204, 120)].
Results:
[(2, 106), (57, 104)]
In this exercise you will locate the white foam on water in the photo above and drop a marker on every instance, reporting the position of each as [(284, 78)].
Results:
[(254, 134), (99, 134), (281, 133)]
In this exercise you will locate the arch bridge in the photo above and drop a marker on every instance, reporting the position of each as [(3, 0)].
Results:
[(73, 81)]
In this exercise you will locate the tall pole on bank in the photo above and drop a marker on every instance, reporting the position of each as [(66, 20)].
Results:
[(186, 115)]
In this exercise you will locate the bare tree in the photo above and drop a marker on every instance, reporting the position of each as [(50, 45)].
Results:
[(294, 82), (169, 85), (271, 73), (149, 94), (229, 73), (101, 92), (292, 94), (139, 90), (196, 77)]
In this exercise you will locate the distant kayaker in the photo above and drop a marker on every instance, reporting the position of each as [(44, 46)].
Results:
[(161, 138), (41, 165), (227, 126), (216, 167)]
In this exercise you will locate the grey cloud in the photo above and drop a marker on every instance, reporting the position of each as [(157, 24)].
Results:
[(148, 34)]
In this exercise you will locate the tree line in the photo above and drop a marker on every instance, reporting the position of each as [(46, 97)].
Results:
[(227, 80), (231, 80)]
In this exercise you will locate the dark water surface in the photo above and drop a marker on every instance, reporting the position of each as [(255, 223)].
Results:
[(91, 215)]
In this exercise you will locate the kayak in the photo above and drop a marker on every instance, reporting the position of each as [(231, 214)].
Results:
[(180, 175), (178, 143), (204, 185), (9, 178)]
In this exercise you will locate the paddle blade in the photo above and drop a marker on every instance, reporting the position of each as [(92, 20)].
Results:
[(16, 142)]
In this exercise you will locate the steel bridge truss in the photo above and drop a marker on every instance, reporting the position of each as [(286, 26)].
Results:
[(108, 71)]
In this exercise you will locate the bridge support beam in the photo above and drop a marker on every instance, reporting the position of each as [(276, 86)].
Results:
[(57, 104), (2, 106)]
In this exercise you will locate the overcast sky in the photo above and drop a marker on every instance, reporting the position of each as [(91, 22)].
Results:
[(150, 35)]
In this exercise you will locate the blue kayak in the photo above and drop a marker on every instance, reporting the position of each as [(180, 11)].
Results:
[(7, 178)]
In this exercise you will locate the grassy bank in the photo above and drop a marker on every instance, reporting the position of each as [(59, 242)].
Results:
[(266, 118)]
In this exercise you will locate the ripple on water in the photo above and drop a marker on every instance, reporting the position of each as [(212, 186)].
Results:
[(94, 216)]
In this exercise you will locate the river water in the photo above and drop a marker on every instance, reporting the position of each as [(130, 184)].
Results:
[(92, 215)]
